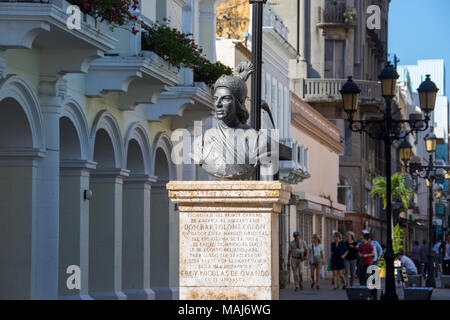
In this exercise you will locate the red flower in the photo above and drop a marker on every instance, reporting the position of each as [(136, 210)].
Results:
[(134, 30), (85, 5), (181, 36)]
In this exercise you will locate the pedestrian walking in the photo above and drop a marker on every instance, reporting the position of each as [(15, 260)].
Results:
[(350, 257), (316, 260), (298, 250), (437, 258), (416, 253), (338, 251), (366, 252), (378, 250), (445, 253)]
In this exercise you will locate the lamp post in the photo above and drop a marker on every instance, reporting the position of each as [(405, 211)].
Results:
[(257, 24), (390, 129), (429, 172)]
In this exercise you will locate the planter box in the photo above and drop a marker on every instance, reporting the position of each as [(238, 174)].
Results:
[(418, 293), (359, 293), (414, 281), (445, 282)]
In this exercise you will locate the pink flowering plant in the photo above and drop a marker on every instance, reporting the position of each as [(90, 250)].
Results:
[(180, 50), (116, 12)]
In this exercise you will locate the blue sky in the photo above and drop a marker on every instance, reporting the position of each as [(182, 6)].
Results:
[(420, 29)]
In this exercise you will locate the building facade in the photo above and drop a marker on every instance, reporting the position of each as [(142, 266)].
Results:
[(86, 117), (334, 41)]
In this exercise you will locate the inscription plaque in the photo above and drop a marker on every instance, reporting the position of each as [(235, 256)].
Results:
[(228, 238)]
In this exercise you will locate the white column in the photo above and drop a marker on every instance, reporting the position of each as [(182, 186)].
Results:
[(105, 234), (44, 275), (18, 186), (74, 226), (207, 28), (136, 237), (164, 261), (303, 34)]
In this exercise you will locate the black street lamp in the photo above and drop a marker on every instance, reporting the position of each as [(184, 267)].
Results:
[(257, 33), (389, 130), (429, 172)]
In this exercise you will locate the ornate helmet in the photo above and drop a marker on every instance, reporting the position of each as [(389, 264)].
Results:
[(237, 84)]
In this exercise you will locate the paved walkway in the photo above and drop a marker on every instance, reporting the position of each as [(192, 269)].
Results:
[(326, 292)]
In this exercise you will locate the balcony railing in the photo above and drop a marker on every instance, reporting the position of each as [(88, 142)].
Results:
[(332, 13), (316, 90)]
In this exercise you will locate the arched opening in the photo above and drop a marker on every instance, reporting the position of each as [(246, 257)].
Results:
[(17, 188), (105, 219), (160, 229), (136, 227)]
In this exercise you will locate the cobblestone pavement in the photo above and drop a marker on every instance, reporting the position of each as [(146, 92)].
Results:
[(326, 292)]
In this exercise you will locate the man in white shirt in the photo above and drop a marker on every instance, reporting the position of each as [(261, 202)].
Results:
[(406, 263)]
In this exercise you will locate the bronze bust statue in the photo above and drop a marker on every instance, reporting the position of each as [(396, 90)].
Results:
[(230, 149)]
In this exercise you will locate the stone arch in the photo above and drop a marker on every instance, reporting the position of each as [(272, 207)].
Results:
[(163, 144), (15, 88), (73, 112), (137, 137), (105, 123)]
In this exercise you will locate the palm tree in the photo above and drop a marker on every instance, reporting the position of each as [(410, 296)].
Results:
[(398, 189)]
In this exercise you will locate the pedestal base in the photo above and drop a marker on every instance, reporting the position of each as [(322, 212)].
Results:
[(229, 238)]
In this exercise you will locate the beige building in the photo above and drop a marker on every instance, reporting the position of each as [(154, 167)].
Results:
[(314, 207), (334, 42)]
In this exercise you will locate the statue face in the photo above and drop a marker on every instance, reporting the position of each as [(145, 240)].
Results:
[(225, 105)]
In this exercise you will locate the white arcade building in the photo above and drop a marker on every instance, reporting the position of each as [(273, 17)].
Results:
[(85, 123)]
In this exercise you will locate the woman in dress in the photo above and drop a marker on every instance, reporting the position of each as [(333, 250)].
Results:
[(338, 251), (316, 260)]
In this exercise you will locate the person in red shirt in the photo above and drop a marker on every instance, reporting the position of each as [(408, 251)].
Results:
[(366, 252)]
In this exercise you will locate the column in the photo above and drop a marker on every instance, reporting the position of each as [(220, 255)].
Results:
[(105, 234), (74, 226), (45, 234), (160, 242), (303, 34), (136, 237)]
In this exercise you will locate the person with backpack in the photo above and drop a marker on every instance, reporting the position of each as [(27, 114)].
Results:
[(298, 250)]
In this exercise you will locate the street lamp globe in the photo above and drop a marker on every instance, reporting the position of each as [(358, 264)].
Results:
[(405, 151), (350, 94), (388, 78), (427, 95), (430, 142)]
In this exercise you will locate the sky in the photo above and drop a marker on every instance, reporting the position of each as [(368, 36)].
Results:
[(420, 29)]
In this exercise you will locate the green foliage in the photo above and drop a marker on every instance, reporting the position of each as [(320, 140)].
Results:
[(180, 50), (398, 189), (349, 16), (399, 238), (382, 263)]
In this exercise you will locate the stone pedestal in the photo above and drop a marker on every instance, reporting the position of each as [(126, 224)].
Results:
[(229, 238)]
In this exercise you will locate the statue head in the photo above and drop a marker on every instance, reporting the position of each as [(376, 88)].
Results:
[(230, 93)]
